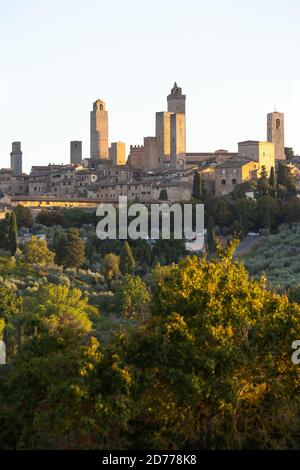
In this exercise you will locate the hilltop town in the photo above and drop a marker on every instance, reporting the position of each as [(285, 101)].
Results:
[(160, 169)]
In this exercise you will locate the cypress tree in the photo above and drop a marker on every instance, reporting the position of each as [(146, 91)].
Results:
[(272, 178), (127, 261), (211, 245), (197, 186), (12, 234)]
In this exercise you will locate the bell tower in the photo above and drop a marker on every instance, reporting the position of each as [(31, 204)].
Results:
[(275, 131)]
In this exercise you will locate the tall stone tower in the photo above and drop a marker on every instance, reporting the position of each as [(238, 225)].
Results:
[(178, 143), (75, 151), (275, 133), (176, 100), (163, 135), (99, 130), (171, 130), (117, 153), (16, 158)]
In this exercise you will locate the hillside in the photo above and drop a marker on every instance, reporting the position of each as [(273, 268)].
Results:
[(278, 256)]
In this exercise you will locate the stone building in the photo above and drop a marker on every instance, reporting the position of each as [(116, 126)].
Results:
[(261, 152), (117, 153), (275, 133), (99, 131), (13, 184), (142, 191), (231, 173), (136, 157), (16, 158), (208, 175), (75, 152), (151, 155), (201, 159)]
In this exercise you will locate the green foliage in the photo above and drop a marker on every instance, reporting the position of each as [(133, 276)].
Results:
[(58, 312), (111, 266), (198, 187), (215, 362), (12, 234), (132, 296), (36, 251), (285, 180), (24, 217), (208, 367), (127, 261), (69, 248), (278, 256), (263, 186), (272, 178), (211, 237)]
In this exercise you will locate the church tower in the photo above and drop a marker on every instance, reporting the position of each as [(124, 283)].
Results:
[(275, 131), (99, 131)]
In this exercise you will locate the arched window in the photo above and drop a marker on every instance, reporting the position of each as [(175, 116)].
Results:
[(278, 124), (223, 182)]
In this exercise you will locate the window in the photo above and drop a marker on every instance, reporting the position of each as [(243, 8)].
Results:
[(234, 181), (223, 182)]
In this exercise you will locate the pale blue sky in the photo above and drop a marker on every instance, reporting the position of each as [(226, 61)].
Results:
[(234, 59)]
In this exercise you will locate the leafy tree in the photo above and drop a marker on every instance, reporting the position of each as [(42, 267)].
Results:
[(127, 261), (132, 296), (12, 234), (248, 216), (220, 210), (49, 217), (58, 312), (111, 266), (263, 183), (289, 153), (291, 210), (286, 179), (36, 251), (24, 217), (215, 362), (168, 251), (269, 212), (10, 315), (69, 248)]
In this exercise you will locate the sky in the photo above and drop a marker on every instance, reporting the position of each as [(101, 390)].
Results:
[(236, 60)]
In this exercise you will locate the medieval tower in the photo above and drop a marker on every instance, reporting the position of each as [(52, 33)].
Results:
[(275, 132), (171, 130), (99, 131), (16, 158), (75, 151)]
